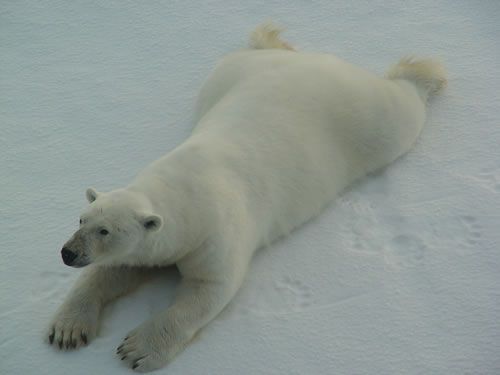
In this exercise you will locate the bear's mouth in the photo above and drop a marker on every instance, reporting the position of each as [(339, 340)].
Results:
[(80, 262)]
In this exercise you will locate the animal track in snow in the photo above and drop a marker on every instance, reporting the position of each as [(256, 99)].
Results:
[(284, 296), (297, 294), (489, 179), (405, 251), (363, 243), (359, 234), (472, 231), (359, 243)]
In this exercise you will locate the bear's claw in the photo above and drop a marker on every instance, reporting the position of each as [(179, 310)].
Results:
[(73, 327)]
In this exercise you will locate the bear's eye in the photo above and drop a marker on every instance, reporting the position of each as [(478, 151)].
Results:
[(103, 232), (80, 221)]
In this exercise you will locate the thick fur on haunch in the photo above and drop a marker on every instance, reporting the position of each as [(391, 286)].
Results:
[(279, 135)]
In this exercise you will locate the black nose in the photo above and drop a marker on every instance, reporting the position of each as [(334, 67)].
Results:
[(68, 256)]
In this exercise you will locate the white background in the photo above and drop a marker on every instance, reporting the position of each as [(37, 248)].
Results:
[(399, 276)]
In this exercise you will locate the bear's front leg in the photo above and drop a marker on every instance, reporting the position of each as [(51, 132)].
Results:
[(157, 341), (76, 322)]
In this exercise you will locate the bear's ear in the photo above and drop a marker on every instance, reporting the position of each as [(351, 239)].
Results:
[(151, 222), (91, 194)]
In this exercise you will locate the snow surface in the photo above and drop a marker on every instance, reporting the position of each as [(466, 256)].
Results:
[(402, 272)]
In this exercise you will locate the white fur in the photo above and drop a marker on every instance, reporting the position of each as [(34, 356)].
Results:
[(267, 36), (279, 135)]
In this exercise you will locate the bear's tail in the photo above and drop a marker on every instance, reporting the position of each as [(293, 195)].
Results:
[(429, 76), (267, 36)]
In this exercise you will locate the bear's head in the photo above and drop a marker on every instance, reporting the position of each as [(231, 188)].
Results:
[(113, 229)]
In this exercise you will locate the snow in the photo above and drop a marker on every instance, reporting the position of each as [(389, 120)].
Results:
[(398, 276)]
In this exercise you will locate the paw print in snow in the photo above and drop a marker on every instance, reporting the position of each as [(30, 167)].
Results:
[(405, 251), (489, 179), (472, 231), (297, 294)]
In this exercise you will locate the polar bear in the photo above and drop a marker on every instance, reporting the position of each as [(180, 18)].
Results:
[(279, 134)]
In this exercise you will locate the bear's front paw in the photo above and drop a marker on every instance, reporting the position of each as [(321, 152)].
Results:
[(73, 327), (151, 346)]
